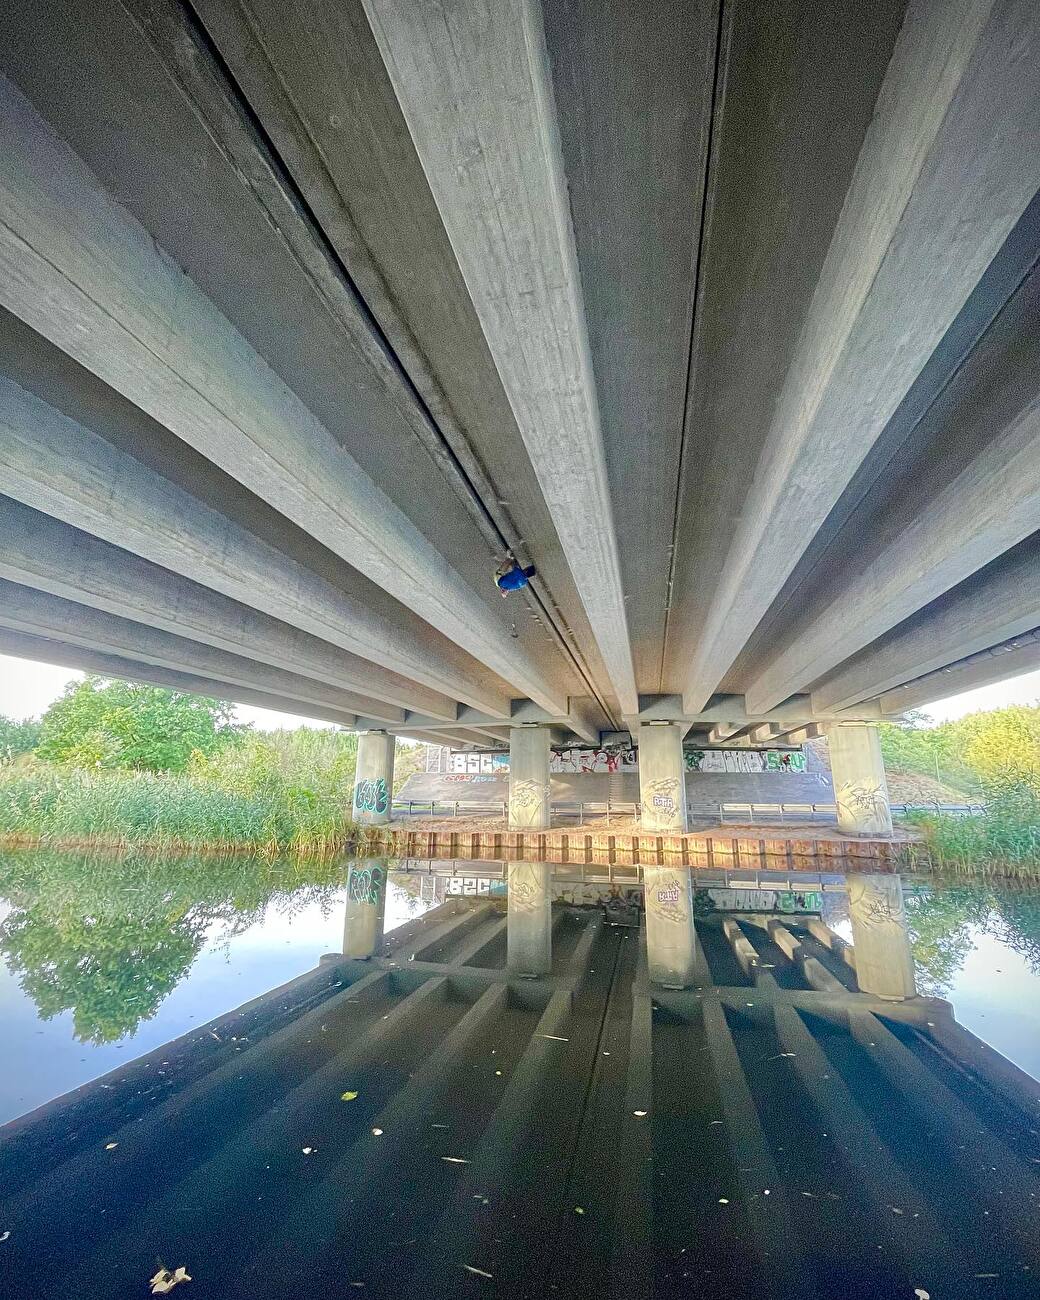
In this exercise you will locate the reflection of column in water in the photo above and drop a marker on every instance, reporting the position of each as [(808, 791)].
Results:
[(881, 937), (366, 900), (670, 941), (529, 925)]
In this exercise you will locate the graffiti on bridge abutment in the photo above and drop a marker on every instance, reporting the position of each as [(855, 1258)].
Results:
[(371, 796)]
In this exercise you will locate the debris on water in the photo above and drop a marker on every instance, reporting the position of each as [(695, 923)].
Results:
[(216, 1036), (4, 1236), (111, 1146), (440, 1126), (921, 1293), (578, 1210), (639, 1113), (455, 1160), (555, 1037), (987, 1275), (349, 1096), (165, 1281), (377, 1132), (478, 1271), (307, 1151), (723, 1200)]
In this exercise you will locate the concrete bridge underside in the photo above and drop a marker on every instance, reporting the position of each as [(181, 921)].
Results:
[(722, 316)]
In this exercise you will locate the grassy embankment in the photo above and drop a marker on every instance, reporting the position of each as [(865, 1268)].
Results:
[(268, 793), (1002, 841)]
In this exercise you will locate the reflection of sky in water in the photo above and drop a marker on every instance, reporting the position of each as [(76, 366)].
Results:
[(997, 997), (43, 1059)]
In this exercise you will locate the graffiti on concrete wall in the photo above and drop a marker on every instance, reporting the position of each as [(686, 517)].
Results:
[(371, 796), (743, 760)]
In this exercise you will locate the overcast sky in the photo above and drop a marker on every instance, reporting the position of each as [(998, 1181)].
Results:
[(26, 689)]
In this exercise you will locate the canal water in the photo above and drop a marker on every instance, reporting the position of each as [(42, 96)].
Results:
[(458, 1079), (105, 958)]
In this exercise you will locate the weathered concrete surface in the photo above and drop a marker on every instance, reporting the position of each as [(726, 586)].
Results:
[(858, 773), (61, 621), (988, 609), (364, 909), (529, 778), (374, 778), (65, 655), (476, 93), (881, 937), (985, 670), (916, 234), (670, 936), (80, 270), (40, 552), (529, 924), (54, 465), (662, 774)]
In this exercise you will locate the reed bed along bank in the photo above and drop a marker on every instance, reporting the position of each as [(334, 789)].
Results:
[(1002, 841), (41, 803)]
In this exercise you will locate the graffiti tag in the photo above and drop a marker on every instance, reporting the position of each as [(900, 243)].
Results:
[(365, 884), (371, 796)]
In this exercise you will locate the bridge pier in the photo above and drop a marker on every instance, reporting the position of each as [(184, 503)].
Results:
[(662, 778), (858, 773), (529, 779), (529, 923), (374, 778), (881, 937), (366, 901), (670, 938)]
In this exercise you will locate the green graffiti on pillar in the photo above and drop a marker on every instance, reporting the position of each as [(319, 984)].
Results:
[(371, 797)]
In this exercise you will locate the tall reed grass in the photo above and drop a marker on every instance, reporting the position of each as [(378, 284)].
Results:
[(242, 802), (1002, 841)]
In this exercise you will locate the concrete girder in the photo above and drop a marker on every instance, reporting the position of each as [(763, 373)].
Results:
[(812, 731), (723, 731), (972, 504), (989, 609), (41, 650), (81, 271), (40, 552), (55, 465), (477, 96), (909, 248), (765, 732), (1001, 663), (579, 720), (36, 613)]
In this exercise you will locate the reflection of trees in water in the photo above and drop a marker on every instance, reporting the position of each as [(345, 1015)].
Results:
[(109, 937), (946, 920)]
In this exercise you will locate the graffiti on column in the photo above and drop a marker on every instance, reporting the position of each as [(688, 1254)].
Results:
[(740, 760), (371, 796), (661, 798), (863, 802), (365, 884), (527, 797)]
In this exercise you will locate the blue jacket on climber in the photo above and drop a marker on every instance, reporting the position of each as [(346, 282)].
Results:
[(510, 577)]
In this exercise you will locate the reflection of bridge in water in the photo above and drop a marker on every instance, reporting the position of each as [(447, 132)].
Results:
[(536, 1115)]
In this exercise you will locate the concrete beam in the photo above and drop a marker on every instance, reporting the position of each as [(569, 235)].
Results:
[(989, 609), (970, 506), (765, 732), (41, 650), (81, 271), (1002, 663), (38, 614), (57, 466), (723, 731), (40, 552), (801, 734), (477, 95), (939, 184)]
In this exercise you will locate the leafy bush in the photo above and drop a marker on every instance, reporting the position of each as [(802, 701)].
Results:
[(17, 738)]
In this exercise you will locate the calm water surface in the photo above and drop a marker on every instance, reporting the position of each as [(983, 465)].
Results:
[(105, 959)]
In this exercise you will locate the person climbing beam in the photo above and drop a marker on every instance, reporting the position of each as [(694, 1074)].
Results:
[(509, 576)]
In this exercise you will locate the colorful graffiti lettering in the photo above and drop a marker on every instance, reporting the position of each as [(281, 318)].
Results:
[(669, 894), (371, 797), (365, 884)]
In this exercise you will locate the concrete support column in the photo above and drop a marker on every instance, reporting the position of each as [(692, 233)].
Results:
[(374, 778), (662, 778), (366, 900), (529, 779), (858, 773), (881, 937), (670, 938), (529, 923)]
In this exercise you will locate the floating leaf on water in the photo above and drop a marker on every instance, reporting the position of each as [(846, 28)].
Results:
[(639, 1113), (478, 1271), (455, 1160), (111, 1146), (578, 1210), (4, 1236), (309, 1150), (378, 1132), (165, 1281), (921, 1293), (349, 1096)]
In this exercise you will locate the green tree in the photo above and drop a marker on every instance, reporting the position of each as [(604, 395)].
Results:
[(1002, 742), (100, 722), (17, 738)]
